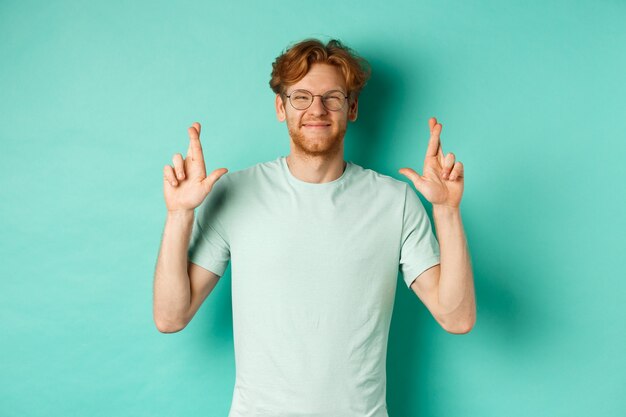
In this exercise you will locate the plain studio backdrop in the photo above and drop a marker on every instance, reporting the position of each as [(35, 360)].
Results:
[(96, 98)]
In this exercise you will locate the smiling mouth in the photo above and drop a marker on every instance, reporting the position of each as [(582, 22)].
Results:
[(316, 125)]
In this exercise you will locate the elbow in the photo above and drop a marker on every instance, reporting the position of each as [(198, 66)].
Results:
[(460, 329), (169, 326), (460, 325)]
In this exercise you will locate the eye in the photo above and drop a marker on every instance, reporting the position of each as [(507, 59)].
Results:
[(334, 96), (301, 95)]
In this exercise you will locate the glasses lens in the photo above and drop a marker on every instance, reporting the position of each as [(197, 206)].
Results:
[(334, 100), (301, 99)]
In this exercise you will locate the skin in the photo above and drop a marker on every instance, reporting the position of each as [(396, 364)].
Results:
[(186, 184), (316, 156), (316, 153), (180, 287), (446, 289)]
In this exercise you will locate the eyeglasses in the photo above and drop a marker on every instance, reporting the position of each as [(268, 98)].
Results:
[(333, 100)]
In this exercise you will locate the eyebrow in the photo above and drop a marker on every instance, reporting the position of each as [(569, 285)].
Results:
[(327, 91)]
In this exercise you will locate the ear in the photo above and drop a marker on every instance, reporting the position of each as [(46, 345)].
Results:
[(280, 108), (353, 109)]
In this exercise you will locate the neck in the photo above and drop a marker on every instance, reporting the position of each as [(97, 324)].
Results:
[(316, 169)]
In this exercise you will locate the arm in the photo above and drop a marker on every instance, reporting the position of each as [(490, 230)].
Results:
[(180, 287), (447, 290)]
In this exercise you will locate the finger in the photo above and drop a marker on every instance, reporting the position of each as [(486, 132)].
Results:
[(212, 178), (413, 176), (195, 146), (168, 175), (438, 129), (431, 123), (457, 171), (448, 163), (179, 166), (434, 144)]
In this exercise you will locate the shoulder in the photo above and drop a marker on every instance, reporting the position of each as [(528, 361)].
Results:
[(378, 182), (236, 190), (258, 179), (253, 173)]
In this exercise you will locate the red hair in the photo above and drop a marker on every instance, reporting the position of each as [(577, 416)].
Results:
[(293, 64)]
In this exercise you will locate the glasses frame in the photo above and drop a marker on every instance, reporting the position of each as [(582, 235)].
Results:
[(321, 96)]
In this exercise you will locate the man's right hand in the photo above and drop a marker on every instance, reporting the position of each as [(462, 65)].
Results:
[(186, 185)]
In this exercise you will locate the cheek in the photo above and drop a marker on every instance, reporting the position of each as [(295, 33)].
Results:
[(293, 121), (344, 119)]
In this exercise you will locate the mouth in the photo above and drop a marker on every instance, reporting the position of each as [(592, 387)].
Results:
[(316, 125)]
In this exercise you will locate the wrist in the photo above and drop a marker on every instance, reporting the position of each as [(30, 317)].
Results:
[(445, 210), (182, 214)]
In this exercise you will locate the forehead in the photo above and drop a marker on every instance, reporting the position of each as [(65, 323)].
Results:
[(321, 78)]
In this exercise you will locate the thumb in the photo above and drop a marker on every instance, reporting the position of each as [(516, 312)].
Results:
[(212, 178), (413, 176)]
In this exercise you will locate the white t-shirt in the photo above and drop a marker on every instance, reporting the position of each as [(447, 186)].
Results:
[(314, 272)]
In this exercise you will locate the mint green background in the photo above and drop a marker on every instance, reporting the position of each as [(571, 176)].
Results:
[(95, 99)]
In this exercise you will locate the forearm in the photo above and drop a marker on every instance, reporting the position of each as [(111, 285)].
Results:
[(172, 292), (456, 282)]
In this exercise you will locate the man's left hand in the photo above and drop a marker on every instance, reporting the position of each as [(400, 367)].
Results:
[(442, 182)]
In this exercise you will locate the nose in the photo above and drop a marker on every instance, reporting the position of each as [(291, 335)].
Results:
[(317, 107)]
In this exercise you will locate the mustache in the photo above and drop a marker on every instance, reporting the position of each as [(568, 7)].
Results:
[(316, 121)]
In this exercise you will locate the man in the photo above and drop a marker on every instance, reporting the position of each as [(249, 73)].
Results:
[(315, 243)]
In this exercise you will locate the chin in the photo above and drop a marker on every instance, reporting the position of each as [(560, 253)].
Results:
[(317, 146)]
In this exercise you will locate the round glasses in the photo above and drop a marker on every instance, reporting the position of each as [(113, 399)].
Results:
[(333, 100)]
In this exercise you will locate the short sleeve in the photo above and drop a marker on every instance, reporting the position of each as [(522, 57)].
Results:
[(209, 244), (419, 250)]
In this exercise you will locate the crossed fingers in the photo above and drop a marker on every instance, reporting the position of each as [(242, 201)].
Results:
[(194, 155), (449, 168)]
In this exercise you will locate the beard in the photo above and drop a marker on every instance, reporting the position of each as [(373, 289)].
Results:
[(318, 145)]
